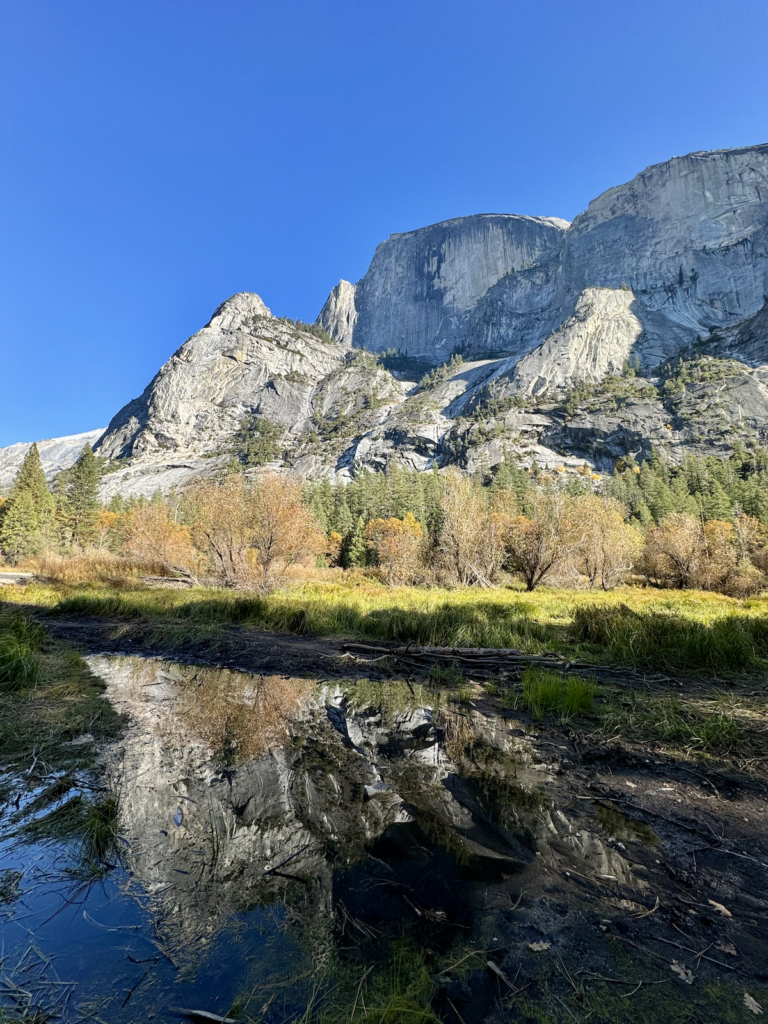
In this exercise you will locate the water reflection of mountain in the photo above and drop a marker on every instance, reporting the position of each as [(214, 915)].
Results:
[(209, 836), (237, 790)]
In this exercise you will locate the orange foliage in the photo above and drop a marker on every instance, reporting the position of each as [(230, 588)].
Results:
[(397, 543)]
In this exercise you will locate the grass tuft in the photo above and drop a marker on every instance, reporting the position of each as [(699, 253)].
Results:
[(20, 640), (564, 696), (89, 825), (670, 720), (400, 993)]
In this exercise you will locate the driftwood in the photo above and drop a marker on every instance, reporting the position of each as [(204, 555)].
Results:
[(168, 581), (486, 661)]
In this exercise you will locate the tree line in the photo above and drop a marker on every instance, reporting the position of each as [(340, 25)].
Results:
[(701, 524)]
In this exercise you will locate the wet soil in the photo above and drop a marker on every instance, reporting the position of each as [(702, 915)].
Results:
[(234, 647)]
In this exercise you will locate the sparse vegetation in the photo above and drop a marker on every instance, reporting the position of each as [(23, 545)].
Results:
[(257, 441), (48, 698), (670, 720), (440, 374)]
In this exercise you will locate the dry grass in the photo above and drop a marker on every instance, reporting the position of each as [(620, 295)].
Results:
[(91, 567), (48, 697)]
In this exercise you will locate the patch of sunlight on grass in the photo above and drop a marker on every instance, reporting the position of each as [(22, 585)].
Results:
[(640, 627)]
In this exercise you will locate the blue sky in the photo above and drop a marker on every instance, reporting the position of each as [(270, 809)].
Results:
[(159, 155)]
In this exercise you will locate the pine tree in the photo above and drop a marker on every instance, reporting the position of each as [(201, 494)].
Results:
[(20, 533), (317, 506), (356, 550), (28, 515), (79, 503), (342, 521), (715, 503), (432, 485), (322, 503)]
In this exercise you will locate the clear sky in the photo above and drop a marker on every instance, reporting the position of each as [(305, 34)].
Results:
[(157, 156)]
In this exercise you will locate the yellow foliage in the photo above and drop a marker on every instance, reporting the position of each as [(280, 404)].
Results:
[(397, 543)]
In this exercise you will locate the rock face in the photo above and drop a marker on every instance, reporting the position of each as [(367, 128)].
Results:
[(569, 335), (593, 343), (244, 360), (688, 238), (422, 286), (55, 454), (339, 314)]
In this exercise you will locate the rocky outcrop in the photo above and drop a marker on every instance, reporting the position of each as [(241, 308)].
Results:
[(243, 361), (55, 454), (339, 314), (597, 341)]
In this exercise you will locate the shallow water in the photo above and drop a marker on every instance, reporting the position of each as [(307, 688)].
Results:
[(275, 834)]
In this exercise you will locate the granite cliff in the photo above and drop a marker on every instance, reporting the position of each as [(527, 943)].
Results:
[(571, 336)]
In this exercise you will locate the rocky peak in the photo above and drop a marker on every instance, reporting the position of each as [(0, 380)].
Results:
[(230, 315), (339, 314), (243, 361)]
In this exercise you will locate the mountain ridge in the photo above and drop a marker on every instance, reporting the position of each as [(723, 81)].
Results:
[(546, 314)]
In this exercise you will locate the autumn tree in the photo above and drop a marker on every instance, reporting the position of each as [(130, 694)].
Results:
[(683, 551), (252, 534), (606, 546), (285, 533), (539, 544), (673, 551), (396, 545), (470, 542), (151, 535)]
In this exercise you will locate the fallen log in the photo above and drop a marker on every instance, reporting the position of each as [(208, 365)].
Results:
[(494, 659)]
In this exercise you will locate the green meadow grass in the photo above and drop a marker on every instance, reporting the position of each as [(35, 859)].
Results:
[(550, 693), (673, 631)]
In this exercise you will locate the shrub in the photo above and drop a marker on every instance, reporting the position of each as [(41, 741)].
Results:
[(397, 545), (712, 555)]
